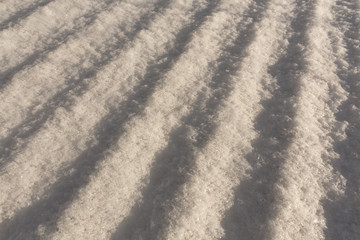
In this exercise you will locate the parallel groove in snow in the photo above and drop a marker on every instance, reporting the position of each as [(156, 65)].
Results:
[(274, 128), (75, 86), (174, 164), (346, 43), (80, 23), (22, 14), (10, 7), (223, 155), (71, 63), (305, 175), (117, 117), (179, 120), (22, 40), (129, 165), (100, 89)]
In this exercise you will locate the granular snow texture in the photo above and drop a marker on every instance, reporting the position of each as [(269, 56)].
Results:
[(180, 119)]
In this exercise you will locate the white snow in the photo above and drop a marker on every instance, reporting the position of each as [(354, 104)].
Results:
[(180, 119)]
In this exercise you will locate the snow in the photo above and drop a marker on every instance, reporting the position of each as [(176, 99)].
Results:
[(174, 119)]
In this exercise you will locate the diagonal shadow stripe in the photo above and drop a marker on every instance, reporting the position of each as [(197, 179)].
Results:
[(175, 163), (49, 208), (16, 141), (82, 22), (22, 14), (255, 199), (342, 213)]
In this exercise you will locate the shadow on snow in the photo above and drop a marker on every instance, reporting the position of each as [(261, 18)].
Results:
[(22, 14), (255, 199), (76, 86), (173, 165), (46, 211), (80, 23), (342, 213)]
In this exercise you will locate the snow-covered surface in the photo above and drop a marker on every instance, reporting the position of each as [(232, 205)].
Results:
[(180, 119)]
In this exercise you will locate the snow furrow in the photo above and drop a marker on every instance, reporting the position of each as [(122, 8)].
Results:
[(112, 88), (130, 164), (254, 197), (300, 174), (10, 7), (223, 153), (76, 85), (180, 119), (22, 14), (342, 211), (173, 165), (33, 34), (279, 159), (80, 24), (121, 114), (71, 63)]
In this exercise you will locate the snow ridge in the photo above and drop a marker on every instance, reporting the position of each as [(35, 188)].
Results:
[(173, 119)]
